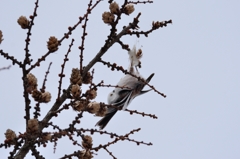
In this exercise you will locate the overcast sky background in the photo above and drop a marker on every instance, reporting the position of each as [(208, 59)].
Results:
[(196, 62)]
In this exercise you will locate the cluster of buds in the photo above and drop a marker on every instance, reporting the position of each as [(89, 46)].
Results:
[(10, 136), (23, 22), (108, 17), (40, 97), (87, 142), (1, 37), (76, 91), (97, 109), (52, 44), (80, 105), (86, 154), (32, 127), (76, 77)]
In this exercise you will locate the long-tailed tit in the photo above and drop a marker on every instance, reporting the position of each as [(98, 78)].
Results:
[(131, 88)]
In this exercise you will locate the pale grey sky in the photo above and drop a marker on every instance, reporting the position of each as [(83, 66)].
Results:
[(196, 63)]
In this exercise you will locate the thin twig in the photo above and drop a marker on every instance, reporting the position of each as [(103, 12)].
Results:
[(120, 68), (110, 153), (32, 17), (138, 2), (84, 34), (45, 78), (66, 35), (5, 68), (14, 61), (61, 75), (109, 43)]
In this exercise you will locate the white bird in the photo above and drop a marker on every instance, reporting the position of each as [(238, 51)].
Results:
[(132, 87)]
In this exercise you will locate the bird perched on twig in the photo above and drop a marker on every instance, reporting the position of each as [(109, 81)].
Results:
[(129, 88)]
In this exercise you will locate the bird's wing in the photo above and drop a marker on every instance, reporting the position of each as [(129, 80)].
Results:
[(123, 94), (128, 100)]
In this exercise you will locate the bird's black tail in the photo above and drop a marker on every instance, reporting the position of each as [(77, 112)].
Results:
[(147, 81), (149, 78), (104, 121)]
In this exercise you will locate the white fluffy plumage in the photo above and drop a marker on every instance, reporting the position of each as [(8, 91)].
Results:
[(131, 88)]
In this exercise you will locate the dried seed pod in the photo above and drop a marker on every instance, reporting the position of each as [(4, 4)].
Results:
[(114, 8), (41, 97), (93, 107), (32, 127), (46, 97), (87, 142), (37, 95), (76, 77), (52, 44), (128, 9), (102, 111), (91, 94), (23, 22), (108, 17), (31, 83), (10, 135), (76, 91), (80, 105)]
